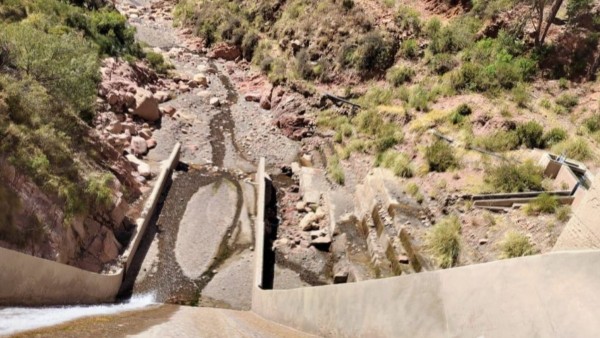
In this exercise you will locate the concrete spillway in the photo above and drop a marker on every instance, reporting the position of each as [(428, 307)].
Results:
[(18, 319)]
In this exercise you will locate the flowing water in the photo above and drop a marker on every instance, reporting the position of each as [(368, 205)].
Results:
[(18, 319)]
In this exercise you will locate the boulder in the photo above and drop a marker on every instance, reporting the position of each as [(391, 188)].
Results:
[(138, 146), (115, 127), (307, 222), (169, 110), (215, 102), (265, 103), (145, 133), (151, 143), (161, 96), (142, 167), (252, 97), (146, 106), (225, 51), (201, 80)]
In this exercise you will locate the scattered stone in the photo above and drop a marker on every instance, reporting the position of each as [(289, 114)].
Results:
[(161, 96), (201, 80), (138, 146), (215, 102), (300, 206), (142, 167), (321, 243), (169, 110), (306, 224), (483, 241), (146, 106), (252, 97)]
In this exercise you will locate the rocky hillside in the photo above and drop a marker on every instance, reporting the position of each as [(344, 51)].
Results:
[(64, 190), (450, 96)]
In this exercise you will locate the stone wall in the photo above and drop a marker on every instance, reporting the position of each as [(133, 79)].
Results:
[(29, 280)]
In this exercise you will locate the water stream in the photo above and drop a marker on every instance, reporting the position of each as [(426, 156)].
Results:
[(18, 319)]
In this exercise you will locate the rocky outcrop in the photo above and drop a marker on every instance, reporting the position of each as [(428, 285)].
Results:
[(225, 51)]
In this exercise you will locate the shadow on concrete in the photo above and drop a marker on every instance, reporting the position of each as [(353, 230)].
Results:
[(271, 226)]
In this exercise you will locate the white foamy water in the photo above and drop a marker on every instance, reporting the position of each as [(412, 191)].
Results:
[(19, 319)]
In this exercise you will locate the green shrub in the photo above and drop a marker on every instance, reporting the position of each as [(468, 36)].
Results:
[(544, 203), (443, 241), (249, 45), (335, 170), (66, 65), (458, 115), (440, 156), (98, 189), (409, 48), (563, 213), (387, 137), (520, 95), (419, 98), (408, 19), (375, 52), (499, 141), (554, 136), (592, 123), (412, 189), (567, 101), (575, 148), (442, 63), (531, 134), (348, 4), (396, 162), (512, 177), (516, 245), (399, 75), (158, 63)]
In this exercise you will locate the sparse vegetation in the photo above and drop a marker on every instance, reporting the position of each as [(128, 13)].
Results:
[(440, 156), (531, 134), (516, 245), (335, 170), (576, 148), (544, 204), (444, 242), (399, 75), (512, 177), (396, 162)]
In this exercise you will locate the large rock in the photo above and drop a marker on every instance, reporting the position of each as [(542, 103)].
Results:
[(142, 167), (138, 146), (225, 51), (146, 106), (201, 80)]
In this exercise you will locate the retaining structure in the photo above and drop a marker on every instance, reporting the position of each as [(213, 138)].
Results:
[(33, 281), (550, 295), (150, 206), (29, 280)]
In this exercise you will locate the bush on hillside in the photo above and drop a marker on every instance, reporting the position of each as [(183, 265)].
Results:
[(398, 163), (440, 156), (544, 204), (512, 177), (575, 148), (516, 245), (554, 136), (531, 134), (375, 52), (443, 241), (397, 76)]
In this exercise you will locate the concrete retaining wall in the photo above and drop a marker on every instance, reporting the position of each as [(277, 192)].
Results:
[(553, 295), (142, 223), (259, 229), (29, 280)]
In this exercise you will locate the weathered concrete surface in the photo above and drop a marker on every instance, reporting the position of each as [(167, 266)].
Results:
[(231, 284), (207, 218), (207, 322), (28, 280), (583, 230), (553, 295)]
